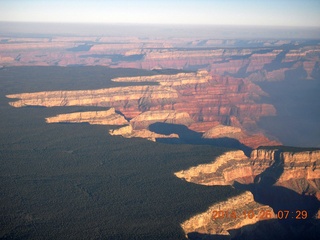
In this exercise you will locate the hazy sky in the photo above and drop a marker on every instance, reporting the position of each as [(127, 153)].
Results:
[(217, 12)]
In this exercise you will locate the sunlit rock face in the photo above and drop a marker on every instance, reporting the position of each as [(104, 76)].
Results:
[(267, 172), (227, 168), (233, 214), (109, 117), (256, 60), (301, 170), (129, 132), (200, 101), (145, 119)]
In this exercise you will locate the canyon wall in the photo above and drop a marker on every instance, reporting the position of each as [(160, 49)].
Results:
[(256, 60), (109, 117), (263, 172), (300, 168), (198, 100), (235, 210)]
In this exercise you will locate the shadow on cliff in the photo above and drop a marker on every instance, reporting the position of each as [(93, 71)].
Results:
[(187, 136), (296, 213)]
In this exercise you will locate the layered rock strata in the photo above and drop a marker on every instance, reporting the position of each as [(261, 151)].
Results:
[(179, 79), (234, 215), (198, 100), (257, 60), (145, 119), (128, 100), (109, 117), (298, 171), (249, 139), (129, 132), (227, 168)]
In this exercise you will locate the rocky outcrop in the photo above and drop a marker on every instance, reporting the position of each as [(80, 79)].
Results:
[(253, 140), (234, 214), (129, 100), (257, 60), (200, 98), (264, 170), (301, 172), (298, 171), (221, 131), (145, 119), (109, 117), (225, 170), (129, 132), (179, 79)]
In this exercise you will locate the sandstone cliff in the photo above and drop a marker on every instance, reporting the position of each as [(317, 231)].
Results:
[(170, 80), (227, 168), (259, 60), (298, 171), (200, 98), (236, 208), (250, 139), (129, 100), (109, 117), (143, 120), (129, 132)]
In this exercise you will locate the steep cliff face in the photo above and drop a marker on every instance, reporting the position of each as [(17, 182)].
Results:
[(263, 172), (129, 132), (233, 215), (109, 117), (171, 80), (257, 60), (301, 172), (298, 171), (145, 119), (227, 168), (200, 98), (129, 100)]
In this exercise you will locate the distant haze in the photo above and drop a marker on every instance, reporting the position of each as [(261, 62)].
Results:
[(297, 13), (48, 30)]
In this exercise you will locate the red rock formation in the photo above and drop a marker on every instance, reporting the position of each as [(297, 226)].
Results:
[(301, 170), (301, 173), (205, 99), (109, 117), (145, 119)]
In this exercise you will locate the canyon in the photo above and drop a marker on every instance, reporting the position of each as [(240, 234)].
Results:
[(256, 60), (216, 85), (198, 100), (205, 89), (265, 168)]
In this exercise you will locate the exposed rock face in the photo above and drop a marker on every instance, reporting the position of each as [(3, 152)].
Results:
[(201, 99), (258, 60), (145, 119), (221, 131), (254, 140), (301, 171), (227, 168), (129, 132), (297, 171), (237, 209), (128, 100), (109, 117), (179, 79)]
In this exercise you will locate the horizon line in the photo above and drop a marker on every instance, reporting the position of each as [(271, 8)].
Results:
[(162, 24)]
